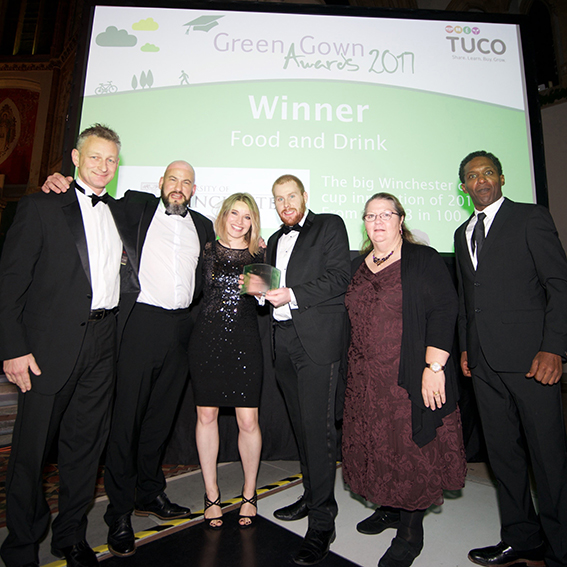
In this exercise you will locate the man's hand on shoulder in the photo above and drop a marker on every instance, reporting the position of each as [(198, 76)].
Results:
[(56, 183), (546, 368), (17, 371)]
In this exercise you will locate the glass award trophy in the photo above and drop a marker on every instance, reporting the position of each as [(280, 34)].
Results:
[(260, 278)]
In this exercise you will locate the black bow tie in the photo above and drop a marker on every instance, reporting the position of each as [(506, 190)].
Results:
[(288, 229), (94, 197), (102, 198)]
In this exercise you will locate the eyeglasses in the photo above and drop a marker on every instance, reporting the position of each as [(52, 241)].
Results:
[(386, 216)]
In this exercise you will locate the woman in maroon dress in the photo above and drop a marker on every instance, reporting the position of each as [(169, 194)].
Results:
[(402, 441)]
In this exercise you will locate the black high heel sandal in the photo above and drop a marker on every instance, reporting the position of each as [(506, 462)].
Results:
[(208, 504), (254, 502)]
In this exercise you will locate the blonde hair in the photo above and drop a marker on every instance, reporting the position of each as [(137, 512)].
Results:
[(253, 235), (100, 131)]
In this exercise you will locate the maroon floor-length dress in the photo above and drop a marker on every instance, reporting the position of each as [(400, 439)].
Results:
[(381, 462)]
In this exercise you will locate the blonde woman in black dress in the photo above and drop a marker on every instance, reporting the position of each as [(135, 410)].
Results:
[(225, 353)]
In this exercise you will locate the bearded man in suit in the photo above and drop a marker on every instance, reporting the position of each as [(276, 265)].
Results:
[(512, 275), (309, 313)]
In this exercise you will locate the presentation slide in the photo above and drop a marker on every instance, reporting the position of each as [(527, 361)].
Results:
[(351, 105)]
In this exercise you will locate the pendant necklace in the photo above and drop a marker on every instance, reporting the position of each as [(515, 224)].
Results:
[(380, 261)]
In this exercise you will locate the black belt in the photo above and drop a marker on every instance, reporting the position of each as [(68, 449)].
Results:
[(100, 314), (286, 323)]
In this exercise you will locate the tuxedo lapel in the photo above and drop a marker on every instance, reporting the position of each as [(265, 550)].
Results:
[(201, 232), (303, 236), (462, 243), (497, 224), (72, 211), (272, 253), (147, 216), (127, 229)]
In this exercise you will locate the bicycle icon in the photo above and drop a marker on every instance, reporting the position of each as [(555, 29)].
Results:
[(105, 88)]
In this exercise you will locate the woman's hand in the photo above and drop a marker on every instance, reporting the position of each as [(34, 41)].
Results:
[(433, 388)]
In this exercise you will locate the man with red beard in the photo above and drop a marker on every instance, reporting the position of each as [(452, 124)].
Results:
[(312, 252)]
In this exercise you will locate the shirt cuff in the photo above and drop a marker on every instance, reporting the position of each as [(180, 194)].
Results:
[(293, 302)]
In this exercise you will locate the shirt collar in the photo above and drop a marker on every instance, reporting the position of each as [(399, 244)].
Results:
[(491, 209), (87, 190)]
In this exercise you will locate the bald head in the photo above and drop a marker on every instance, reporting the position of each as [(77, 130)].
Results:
[(181, 164), (177, 186)]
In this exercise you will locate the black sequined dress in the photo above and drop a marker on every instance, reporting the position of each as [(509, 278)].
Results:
[(225, 354)]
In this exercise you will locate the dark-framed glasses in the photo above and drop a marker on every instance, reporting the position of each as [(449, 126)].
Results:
[(386, 216)]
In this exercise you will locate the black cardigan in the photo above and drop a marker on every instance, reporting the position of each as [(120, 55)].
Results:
[(429, 315)]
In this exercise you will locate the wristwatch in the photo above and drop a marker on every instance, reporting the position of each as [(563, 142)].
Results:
[(435, 366)]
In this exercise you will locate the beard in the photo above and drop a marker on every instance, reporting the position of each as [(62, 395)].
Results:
[(296, 217), (175, 208)]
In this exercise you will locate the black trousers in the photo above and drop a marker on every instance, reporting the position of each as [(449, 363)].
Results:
[(522, 421), (81, 412), (151, 375), (309, 393)]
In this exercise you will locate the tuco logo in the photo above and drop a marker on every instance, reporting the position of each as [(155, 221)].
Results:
[(458, 29)]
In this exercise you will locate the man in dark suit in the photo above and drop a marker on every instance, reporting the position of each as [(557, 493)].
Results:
[(153, 333), (153, 364), (512, 275), (60, 278), (312, 253)]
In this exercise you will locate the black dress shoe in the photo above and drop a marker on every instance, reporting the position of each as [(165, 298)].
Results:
[(163, 509), (401, 553), (315, 546), (121, 540), (378, 522), (295, 511), (503, 555), (78, 555)]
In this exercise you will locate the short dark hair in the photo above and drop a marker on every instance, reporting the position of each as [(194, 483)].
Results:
[(286, 179), (100, 131), (479, 153)]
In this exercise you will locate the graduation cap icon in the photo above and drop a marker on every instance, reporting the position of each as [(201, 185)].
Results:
[(203, 23)]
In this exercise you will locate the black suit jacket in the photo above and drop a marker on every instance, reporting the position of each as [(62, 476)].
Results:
[(45, 286), (135, 212), (319, 273), (515, 303)]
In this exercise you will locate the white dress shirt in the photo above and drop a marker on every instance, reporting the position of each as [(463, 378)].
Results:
[(490, 213), (285, 246), (104, 248), (169, 260)]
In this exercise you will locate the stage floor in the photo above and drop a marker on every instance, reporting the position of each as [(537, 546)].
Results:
[(467, 519)]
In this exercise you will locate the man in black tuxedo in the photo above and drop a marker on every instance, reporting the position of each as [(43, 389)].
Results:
[(512, 275), (153, 333), (153, 363), (312, 252), (60, 276)]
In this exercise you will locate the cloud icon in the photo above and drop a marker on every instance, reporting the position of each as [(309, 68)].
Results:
[(113, 37), (149, 24), (150, 47)]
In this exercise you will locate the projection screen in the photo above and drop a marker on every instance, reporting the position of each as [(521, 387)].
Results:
[(353, 103)]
